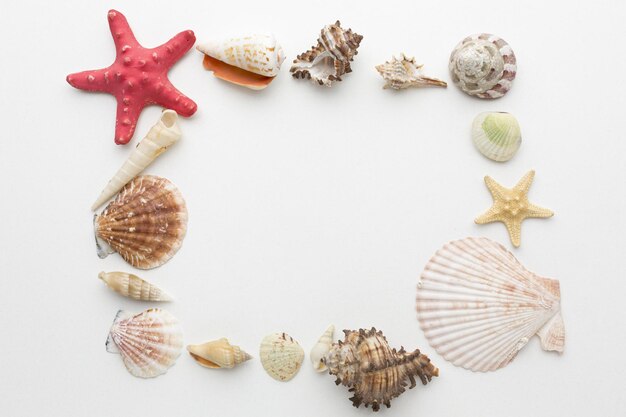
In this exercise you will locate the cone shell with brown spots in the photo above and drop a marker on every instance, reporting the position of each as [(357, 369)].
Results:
[(145, 223), (373, 371)]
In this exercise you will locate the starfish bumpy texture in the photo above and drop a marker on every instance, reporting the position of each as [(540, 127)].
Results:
[(511, 206), (138, 77)]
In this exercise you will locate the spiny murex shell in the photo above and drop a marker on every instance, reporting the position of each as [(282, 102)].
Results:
[(145, 223), (330, 58), (496, 135), (160, 137), (373, 371), (281, 356), (405, 73), (478, 306), (218, 354), (250, 61), (483, 65), (321, 348), (132, 286), (149, 342)]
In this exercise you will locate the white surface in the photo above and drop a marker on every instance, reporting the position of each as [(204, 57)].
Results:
[(310, 206)]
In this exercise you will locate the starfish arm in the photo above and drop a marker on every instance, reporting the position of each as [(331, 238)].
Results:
[(169, 97), (93, 80), (496, 190), (514, 227), (489, 216), (172, 50), (524, 184), (123, 36), (536, 211), (127, 115)]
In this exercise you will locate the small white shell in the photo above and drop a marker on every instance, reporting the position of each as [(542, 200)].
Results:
[(132, 286), (321, 348), (483, 65), (218, 354), (496, 135), (405, 73), (149, 342), (478, 306), (281, 356)]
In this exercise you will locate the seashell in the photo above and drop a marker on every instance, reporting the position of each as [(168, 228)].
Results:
[(218, 354), (250, 61), (496, 135), (483, 65), (163, 134), (281, 356), (330, 58), (321, 348), (149, 342), (478, 306), (145, 223), (373, 371), (132, 286), (405, 73)]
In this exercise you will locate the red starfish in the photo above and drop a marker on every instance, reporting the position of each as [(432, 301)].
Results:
[(138, 77)]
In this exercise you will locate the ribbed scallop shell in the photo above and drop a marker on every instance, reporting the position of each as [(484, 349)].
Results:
[(496, 135), (145, 223), (281, 356), (149, 342), (374, 372), (478, 306), (483, 65), (330, 58), (405, 73), (218, 354), (132, 286)]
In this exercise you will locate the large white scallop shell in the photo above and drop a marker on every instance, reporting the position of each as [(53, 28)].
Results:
[(483, 65), (149, 342), (478, 306), (496, 135), (281, 356)]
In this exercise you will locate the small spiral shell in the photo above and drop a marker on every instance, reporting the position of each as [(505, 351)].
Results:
[(132, 286)]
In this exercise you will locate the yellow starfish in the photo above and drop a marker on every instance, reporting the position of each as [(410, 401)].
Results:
[(511, 206)]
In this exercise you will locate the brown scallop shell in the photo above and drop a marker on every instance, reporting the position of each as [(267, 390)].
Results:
[(145, 223), (373, 371)]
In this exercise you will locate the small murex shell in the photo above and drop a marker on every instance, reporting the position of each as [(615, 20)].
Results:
[(483, 65), (281, 356), (321, 348), (374, 372), (218, 354), (149, 342), (405, 73), (132, 286), (330, 58), (145, 223), (496, 135), (478, 306), (250, 61)]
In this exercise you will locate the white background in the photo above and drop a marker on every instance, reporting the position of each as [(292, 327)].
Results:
[(310, 206)]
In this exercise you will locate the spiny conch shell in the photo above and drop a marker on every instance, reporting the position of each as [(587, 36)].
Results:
[(132, 286), (145, 223), (163, 134), (281, 356), (496, 135), (483, 65), (405, 73), (149, 342), (478, 306), (250, 61), (218, 354), (330, 58), (321, 348), (373, 371)]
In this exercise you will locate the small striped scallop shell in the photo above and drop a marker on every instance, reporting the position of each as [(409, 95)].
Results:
[(149, 342), (478, 306), (145, 223), (131, 286), (281, 356), (483, 65), (496, 135)]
